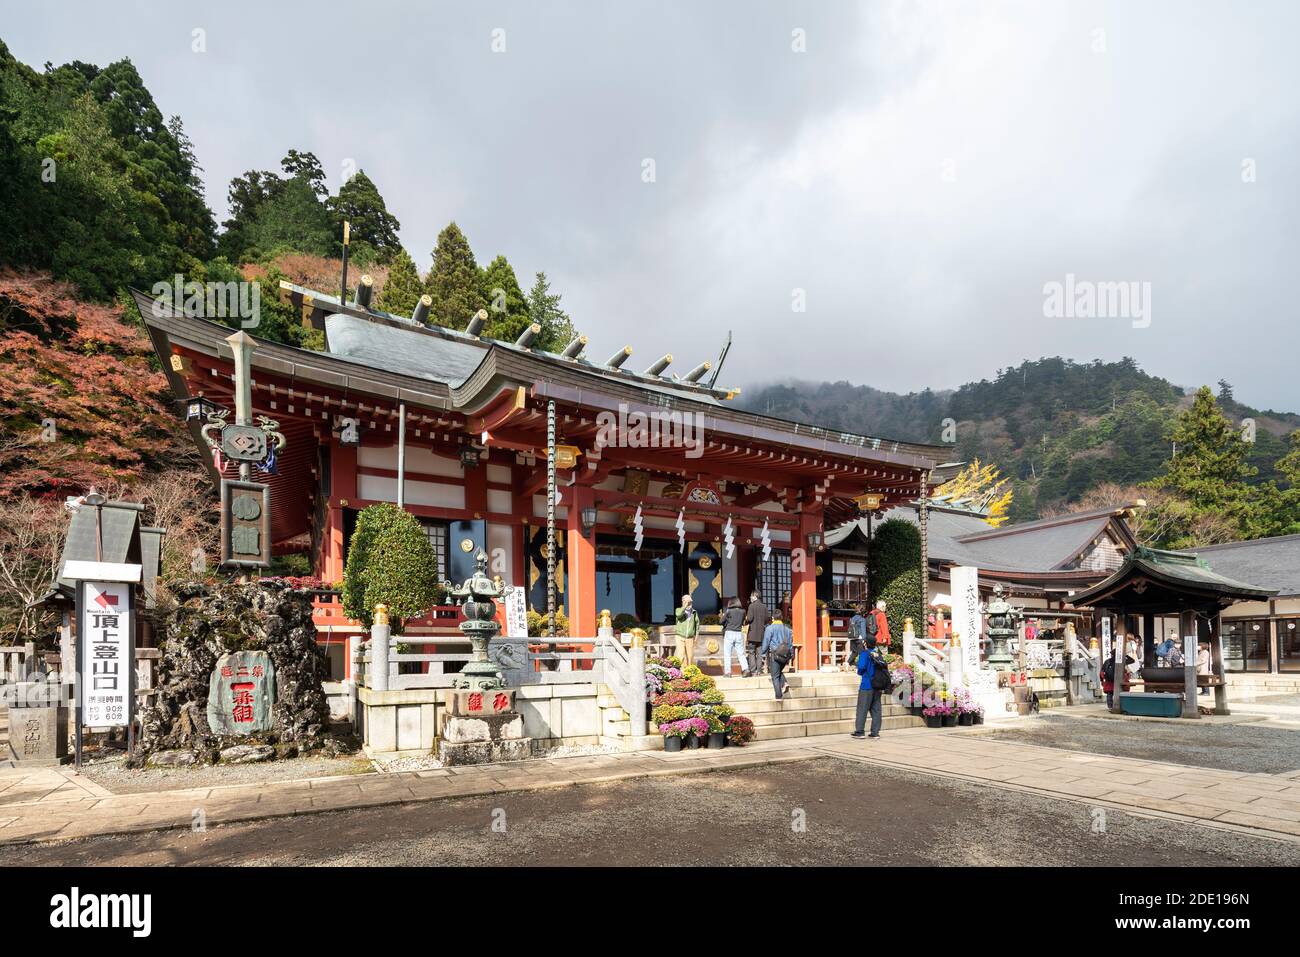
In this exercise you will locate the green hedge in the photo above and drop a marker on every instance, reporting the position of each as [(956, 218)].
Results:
[(391, 561), (896, 575)]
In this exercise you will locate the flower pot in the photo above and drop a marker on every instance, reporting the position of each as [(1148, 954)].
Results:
[(933, 721), (692, 742), (978, 717), (950, 721), (672, 742), (965, 719), (717, 739)]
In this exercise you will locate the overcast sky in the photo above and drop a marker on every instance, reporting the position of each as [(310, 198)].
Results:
[(918, 171)]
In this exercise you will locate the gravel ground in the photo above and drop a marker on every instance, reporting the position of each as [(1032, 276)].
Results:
[(852, 814), (112, 774), (1251, 747)]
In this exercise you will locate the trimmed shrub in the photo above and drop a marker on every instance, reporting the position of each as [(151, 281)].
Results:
[(390, 561), (896, 576)]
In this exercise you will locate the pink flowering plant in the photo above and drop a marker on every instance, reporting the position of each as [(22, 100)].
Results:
[(680, 729), (941, 709)]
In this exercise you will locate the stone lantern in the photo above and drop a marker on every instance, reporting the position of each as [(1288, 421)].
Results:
[(479, 594), (481, 725)]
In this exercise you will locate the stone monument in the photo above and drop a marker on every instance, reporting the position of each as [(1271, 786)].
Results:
[(241, 692), (481, 725), (38, 725)]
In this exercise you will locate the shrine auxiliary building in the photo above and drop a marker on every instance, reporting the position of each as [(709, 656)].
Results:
[(472, 416)]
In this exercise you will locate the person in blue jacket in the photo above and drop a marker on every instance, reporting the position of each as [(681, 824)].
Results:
[(869, 697)]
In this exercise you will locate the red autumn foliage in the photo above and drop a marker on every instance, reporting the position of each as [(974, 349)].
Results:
[(82, 401)]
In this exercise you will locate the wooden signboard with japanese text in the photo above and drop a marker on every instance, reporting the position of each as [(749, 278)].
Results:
[(245, 524)]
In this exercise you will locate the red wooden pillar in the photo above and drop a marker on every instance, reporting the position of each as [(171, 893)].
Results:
[(343, 486), (581, 571), (803, 592)]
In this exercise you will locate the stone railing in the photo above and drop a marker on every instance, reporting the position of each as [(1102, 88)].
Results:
[(592, 695)]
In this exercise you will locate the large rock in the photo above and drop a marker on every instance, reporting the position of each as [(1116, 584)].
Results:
[(209, 621), (171, 759), (247, 754)]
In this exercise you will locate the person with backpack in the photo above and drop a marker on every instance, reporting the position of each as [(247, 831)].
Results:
[(755, 621), (858, 637), (778, 649), (881, 630), (875, 684)]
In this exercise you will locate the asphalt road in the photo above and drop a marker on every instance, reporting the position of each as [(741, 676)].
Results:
[(819, 812), (1252, 747)]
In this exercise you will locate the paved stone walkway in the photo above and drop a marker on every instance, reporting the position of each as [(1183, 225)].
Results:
[(56, 805)]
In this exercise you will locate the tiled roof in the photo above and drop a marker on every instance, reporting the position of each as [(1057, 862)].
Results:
[(966, 539), (1269, 562)]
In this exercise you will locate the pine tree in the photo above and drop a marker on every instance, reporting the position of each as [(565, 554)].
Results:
[(1208, 469), (544, 309), (403, 288), (454, 281), (360, 203), (508, 314)]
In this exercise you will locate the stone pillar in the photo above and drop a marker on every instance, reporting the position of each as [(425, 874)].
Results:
[(923, 520), (581, 576), (803, 594), (1187, 639), (377, 677)]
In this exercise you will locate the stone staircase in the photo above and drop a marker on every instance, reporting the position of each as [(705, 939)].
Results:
[(818, 702)]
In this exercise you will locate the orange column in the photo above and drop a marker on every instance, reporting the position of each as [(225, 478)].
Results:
[(803, 589), (581, 570)]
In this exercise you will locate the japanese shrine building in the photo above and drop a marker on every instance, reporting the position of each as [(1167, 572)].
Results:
[(474, 472)]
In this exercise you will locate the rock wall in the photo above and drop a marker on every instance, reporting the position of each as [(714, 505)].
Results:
[(209, 620)]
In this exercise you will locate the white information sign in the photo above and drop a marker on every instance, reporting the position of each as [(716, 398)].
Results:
[(516, 614), (104, 634), (967, 621)]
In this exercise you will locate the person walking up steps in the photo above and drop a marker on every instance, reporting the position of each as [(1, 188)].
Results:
[(777, 649), (733, 637), (756, 621)]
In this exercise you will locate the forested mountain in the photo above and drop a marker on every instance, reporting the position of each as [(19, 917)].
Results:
[(1060, 429)]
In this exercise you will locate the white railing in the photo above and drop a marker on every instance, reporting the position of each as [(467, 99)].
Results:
[(624, 675), (546, 661), (929, 654)]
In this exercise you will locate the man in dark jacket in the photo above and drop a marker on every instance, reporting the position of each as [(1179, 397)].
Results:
[(869, 697), (756, 621), (733, 637)]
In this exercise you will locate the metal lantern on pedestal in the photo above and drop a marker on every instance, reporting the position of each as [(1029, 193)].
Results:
[(479, 594)]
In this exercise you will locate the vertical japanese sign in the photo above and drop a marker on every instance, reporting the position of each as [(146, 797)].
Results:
[(245, 524), (106, 639), (516, 614), (966, 619)]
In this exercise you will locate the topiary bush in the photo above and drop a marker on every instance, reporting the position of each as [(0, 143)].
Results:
[(390, 561), (896, 575)]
